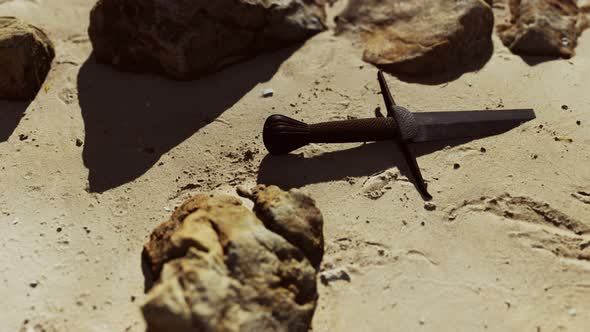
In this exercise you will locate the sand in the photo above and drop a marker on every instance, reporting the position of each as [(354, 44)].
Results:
[(74, 218)]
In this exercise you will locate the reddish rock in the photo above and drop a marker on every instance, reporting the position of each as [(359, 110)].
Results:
[(543, 27), (419, 37)]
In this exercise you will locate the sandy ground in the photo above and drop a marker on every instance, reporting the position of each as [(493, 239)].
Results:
[(74, 218)]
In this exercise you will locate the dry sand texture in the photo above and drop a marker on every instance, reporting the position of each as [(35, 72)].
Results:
[(507, 247)]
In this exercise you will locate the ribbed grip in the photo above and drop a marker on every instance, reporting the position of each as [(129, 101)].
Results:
[(359, 130), (282, 134)]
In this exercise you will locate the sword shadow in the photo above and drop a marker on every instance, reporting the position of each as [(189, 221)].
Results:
[(294, 171)]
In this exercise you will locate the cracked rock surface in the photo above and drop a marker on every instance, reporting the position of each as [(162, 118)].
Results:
[(218, 268), (419, 37), (187, 39), (543, 27), (25, 58)]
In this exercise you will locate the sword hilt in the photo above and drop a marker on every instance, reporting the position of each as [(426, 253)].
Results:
[(282, 134)]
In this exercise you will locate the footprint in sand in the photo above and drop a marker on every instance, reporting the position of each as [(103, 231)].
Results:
[(582, 196), (547, 229)]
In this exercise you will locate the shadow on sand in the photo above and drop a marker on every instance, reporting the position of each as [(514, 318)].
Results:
[(11, 112), (294, 171), (131, 120), (533, 60), (451, 73)]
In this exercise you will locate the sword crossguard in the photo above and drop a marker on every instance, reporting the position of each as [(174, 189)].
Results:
[(282, 134)]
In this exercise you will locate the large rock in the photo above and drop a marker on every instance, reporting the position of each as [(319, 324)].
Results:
[(543, 27), (186, 39), (419, 37), (218, 268), (25, 59)]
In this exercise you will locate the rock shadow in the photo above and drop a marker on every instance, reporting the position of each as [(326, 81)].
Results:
[(11, 112), (132, 119), (533, 60), (148, 276), (451, 72)]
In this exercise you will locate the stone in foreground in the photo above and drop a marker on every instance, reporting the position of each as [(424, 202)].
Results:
[(25, 59), (187, 39), (543, 27), (419, 37), (218, 268)]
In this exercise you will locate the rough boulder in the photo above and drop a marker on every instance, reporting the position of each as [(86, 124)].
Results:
[(219, 268)]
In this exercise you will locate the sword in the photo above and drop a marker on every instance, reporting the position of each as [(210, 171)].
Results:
[(283, 134)]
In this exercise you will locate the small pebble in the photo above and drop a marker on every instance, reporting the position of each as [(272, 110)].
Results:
[(268, 93), (167, 209), (564, 107), (34, 284), (329, 276), (59, 229), (456, 166), (429, 206), (482, 150), (563, 139), (79, 142), (572, 312), (578, 122)]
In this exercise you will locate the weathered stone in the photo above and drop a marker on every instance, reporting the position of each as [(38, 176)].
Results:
[(294, 216), (186, 39), (25, 59), (419, 37), (218, 268), (543, 27)]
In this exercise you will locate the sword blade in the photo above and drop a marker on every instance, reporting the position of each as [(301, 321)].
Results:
[(434, 126)]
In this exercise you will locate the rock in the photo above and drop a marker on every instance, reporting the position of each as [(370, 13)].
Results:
[(572, 312), (294, 216), (266, 93), (187, 39), (419, 37), (429, 206), (25, 59), (334, 275), (218, 268), (543, 27)]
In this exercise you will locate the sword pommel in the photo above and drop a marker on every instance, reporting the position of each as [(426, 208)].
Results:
[(281, 134)]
